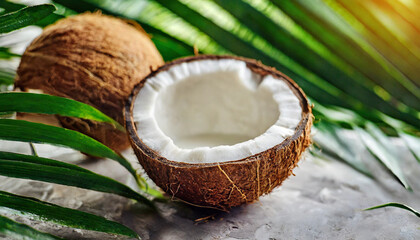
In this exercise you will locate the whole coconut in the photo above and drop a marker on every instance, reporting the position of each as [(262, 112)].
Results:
[(92, 58)]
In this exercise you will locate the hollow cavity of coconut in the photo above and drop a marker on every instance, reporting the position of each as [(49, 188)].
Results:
[(218, 131), (92, 58)]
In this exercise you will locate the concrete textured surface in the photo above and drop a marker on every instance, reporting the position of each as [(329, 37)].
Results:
[(325, 200)]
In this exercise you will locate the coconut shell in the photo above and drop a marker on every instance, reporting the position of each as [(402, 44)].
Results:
[(92, 58), (226, 184)]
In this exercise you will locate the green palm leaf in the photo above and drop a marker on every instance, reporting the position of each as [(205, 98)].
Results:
[(10, 6), (41, 103), (60, 215), (412, 143), (13, 6), (47, 170), (398, 205), (6, 77), (328, 138), (377, 143), (40, 160), (6, 54), (18, 130), (24, 17), (21, 231)]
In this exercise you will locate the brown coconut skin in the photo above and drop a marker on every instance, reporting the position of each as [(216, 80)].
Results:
[(92, 58), (226, 184)]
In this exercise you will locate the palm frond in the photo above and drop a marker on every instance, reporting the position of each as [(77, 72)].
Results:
[(25, 206), (6, 77), (47, 170), (47, 104), (24, 17), (398, 205), (6, 54), (19, 130), (380, 147), (412, 142), (327, 138), (21, 231)]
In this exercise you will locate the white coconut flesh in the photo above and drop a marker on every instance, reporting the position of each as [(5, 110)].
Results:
[(209, 111)]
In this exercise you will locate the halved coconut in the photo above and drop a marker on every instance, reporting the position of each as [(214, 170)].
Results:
[(218, 131)]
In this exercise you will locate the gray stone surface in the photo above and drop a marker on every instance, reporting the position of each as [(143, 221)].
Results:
[(323, 201)]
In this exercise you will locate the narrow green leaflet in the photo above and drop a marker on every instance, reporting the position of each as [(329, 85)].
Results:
[(327, 137), (68, 177), (6, 77), (412, 142), (17, 230), (62, 216), (42, 103), (6, 54), (398, 205), (377, 143), (40, 160), (336, 114), (24, 17), (47, 170), (168, 48), (381, 138), (12, 6), (50, 19), (18, 130), (33, 150)]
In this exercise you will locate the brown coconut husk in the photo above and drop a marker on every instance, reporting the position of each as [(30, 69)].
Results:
[(92, 58), (226, 184)]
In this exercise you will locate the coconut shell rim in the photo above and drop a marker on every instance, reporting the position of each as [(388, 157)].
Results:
[(253, 65)]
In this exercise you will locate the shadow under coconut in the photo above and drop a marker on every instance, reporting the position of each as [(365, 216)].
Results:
[(178, 219)]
